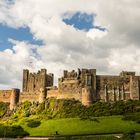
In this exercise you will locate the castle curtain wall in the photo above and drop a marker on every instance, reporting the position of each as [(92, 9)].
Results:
[(83, 85)]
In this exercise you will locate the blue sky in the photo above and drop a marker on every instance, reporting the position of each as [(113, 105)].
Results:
[(81, 21), (21, 34), (94, 36)]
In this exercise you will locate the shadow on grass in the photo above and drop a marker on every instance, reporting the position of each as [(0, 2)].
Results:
[(12, 131)]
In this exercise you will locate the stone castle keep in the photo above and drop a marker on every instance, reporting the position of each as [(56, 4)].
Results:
[(83, 85)]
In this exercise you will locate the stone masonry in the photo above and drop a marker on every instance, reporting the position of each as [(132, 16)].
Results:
[(83, 85), (35, 85)]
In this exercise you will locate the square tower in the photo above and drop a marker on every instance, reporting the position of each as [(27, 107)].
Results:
[(33, 82)]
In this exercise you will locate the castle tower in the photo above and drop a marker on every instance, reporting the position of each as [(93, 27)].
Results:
[(134, 88), (93, 83), (43, 77), (32, 82), (14, 99), (42, 95), (25, 80), (89, 88), (87, 96)]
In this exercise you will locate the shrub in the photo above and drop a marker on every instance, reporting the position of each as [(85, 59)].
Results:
[(129, 135), (3, 108), (23, 110), (12, 131), (132, 117), (64, 108), (40, 108), (33, 123), (61, 108), (71, 108)]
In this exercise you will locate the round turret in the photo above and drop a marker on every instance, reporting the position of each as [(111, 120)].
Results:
[(42, 95), (87, 97), (14, 99)]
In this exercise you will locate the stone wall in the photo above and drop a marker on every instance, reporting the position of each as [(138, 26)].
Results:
[(134, 88), (10, 96), (114, 88), (87, 96), (32, 82), (83, 85), (35, 85), (71, 85), (39, 96), (53, 93), (29, 96), (86, 86), (5, 95)]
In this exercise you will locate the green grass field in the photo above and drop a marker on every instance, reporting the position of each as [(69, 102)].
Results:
[(75, 126)]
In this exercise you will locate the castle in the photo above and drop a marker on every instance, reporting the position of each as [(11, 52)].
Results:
[(83, 85)]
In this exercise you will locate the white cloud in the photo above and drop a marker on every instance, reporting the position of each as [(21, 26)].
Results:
[(95, 33), (13, 61), (66, 48), (125, 58)]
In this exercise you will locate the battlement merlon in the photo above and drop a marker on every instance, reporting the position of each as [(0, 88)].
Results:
[(73, 74), (70, 75), (127, 73), (85, 77)]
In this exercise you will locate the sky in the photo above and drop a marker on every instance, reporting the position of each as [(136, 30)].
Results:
[(67, 34)]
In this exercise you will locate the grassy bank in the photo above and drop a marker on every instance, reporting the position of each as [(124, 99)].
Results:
[(75, 126), (70, 117)]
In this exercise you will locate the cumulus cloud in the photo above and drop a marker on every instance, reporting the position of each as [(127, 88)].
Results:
[(96, 33), (13, 61), (110, 51)]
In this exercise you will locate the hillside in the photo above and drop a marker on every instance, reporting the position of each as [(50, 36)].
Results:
[(69, 117)]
